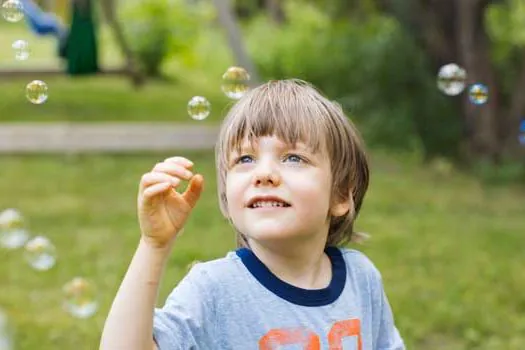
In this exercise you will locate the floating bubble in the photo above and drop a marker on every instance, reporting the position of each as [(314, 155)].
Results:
[(521, 136), (12, 11), (478, 94), (36, 92), (80, 298), (40, 253), (199, 108), (12, 232), (11, 219), (6, 334), (235, 82), (21, 48), (451, 79), (13, 238)]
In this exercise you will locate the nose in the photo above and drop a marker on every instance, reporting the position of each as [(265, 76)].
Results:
[(266, 174)]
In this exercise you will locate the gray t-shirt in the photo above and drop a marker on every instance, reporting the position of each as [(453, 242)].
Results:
[(236, 302)]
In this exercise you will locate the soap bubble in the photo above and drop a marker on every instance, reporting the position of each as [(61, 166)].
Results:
[(12, 232), (12, 10), (199, 108), (6, 333), (21, 48), (13, 238), (11, 219), (235, 82), (80, 299), (40, 253), (36, 92), (478, 94), (451, 79)]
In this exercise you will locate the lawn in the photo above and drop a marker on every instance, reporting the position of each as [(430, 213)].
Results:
[(108, 98), (450, 251)]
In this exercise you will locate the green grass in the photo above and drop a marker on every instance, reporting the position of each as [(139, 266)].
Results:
[(101, 99), (105, 98), (450, 251)]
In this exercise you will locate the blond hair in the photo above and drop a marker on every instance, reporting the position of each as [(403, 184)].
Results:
[(293, 110)]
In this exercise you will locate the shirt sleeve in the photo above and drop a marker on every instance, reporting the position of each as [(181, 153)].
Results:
[(186, 321), (387, 336)]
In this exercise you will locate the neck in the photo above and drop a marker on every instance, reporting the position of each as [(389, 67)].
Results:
[(305, 266)]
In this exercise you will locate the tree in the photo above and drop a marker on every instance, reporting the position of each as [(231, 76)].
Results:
[(233, 32), (456, 31), (275, 10), (109, 10), (249, 8)]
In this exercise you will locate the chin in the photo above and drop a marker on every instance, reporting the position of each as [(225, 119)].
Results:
[(272, 233)]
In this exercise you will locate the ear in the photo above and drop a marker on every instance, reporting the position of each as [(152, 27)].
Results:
[(343, 207)]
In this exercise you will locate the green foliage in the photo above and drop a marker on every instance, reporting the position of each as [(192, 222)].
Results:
[(371, 67), (505, 23), (505, 27), (161, 29)]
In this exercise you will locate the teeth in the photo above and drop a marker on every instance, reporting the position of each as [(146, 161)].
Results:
[(268, 204)]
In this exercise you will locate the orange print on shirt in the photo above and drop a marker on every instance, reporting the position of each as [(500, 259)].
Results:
[(311, 341), (287, 336)]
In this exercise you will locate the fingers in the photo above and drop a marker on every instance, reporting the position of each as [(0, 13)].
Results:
[(180, 160), (194, 190), (168, 174), (153, 178), (154, 190), (173, 169)]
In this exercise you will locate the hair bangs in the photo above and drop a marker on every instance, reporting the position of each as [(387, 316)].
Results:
[(268, 113)]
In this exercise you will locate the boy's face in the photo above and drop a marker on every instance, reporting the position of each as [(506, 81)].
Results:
[(297, 176)]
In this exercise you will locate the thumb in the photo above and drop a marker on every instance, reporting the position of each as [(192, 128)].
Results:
[(193, 192)]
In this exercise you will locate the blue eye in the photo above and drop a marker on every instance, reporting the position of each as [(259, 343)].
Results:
[(299, 159), (246, 158), (240, 159)]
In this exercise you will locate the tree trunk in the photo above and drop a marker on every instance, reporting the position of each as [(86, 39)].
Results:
[(109, 11), (229, 22), (510, 121), (474, 55), (275, 10)]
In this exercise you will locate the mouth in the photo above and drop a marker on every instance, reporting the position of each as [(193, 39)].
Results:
[(268, 205)]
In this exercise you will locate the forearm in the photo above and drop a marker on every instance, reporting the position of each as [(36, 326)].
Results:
[(129, 324)]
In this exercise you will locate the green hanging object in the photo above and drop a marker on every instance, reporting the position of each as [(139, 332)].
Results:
[(81, 48)]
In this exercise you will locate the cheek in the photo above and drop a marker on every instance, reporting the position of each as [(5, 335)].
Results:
[(313, 193), (233, 193)]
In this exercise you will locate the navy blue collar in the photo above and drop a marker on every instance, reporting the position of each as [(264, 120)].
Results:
[(293, 294)]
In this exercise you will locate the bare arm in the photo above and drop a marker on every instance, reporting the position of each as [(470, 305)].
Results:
[(162, 212), (129, 324)]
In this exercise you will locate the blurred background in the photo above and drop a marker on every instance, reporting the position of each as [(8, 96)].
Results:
[(94, 93)]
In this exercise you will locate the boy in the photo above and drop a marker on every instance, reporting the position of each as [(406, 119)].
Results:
[(292, 174)]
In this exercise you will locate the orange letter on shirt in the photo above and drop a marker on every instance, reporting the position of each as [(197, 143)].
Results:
[(277, 337), (310, 341), (341, 329)]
